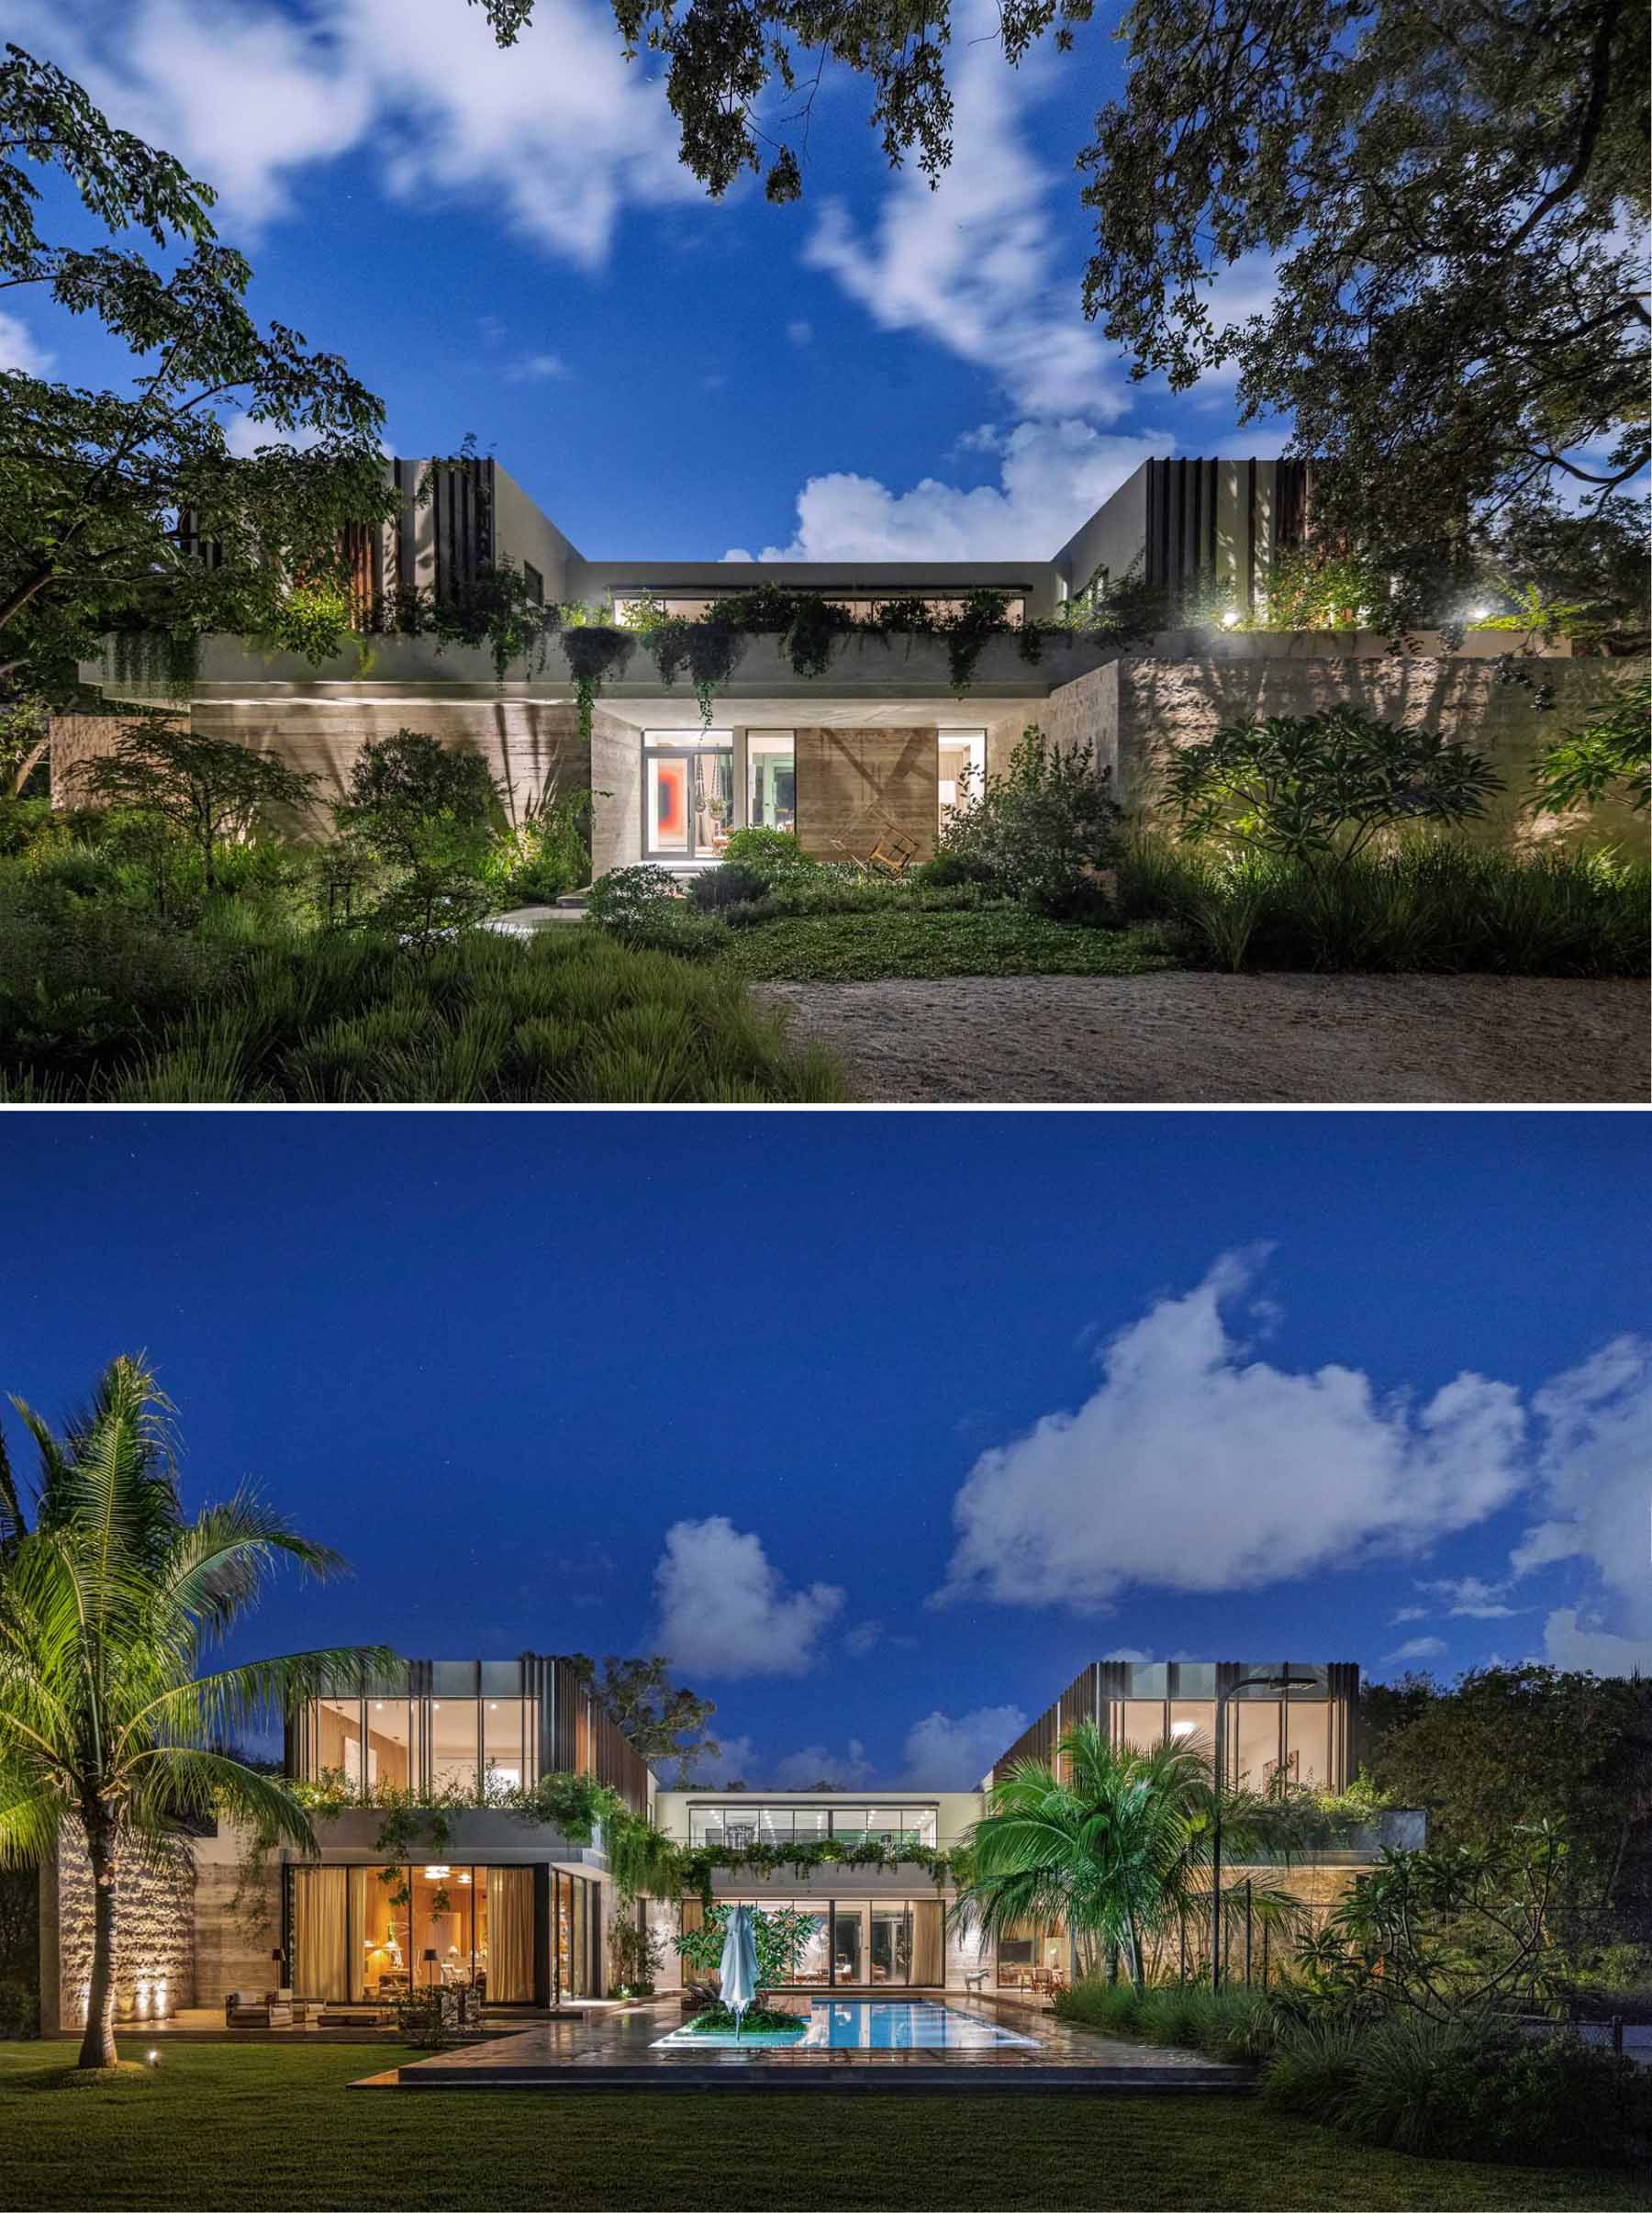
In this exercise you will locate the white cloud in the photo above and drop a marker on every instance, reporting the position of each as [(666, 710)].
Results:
[(947, 1752), (1571, 1642), (801, 333), (244, 437), (1196, 1467), (1051, 478), (815, 1764), (737, 1760), (535, 368), (1593, 1468), (986, 438), (559, 133), (859, 1640), (20, 351), (1466, 1595), (1409, 1614), (1126, 1652), (725, 1610), (1417, 1648), (973, 263)]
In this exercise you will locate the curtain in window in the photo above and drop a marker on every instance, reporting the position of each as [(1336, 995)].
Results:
[(929, 1954), (320, 1933), (510, 1936)]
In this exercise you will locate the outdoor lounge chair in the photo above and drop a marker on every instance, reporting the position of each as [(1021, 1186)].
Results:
[(272, 2009)]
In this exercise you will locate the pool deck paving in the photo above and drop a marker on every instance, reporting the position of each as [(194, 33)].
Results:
[(620, 2052)]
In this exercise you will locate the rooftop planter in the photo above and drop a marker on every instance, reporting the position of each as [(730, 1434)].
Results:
[(860, 664)]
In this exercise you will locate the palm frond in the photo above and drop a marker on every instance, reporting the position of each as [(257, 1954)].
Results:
[(172, 1782), (12, 1523)]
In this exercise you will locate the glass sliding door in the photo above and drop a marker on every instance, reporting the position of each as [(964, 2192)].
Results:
[(848, 1955), (771, 779), (688, 794), (891, 1950)]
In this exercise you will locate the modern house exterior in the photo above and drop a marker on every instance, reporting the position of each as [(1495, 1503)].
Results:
[(871, 753), (459, 1889)]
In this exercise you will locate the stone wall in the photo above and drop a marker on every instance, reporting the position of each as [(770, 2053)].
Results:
[(616, 794), (154, 1934), (233, 1946), (76, 741), (1135, 706), (532, 748), (858, 788)]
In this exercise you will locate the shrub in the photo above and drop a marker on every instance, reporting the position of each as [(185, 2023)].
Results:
[(1472, 2087), (949, 868), (774, 856), (1432, 905), (626, 897), (19, 2011), (1317, 788), (736, 883), (1040, 830)]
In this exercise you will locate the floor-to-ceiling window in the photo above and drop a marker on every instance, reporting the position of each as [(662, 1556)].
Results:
[(575, 1937), (373, 1933), (961, 769), (771, 779), (898, 1942), (687, 793)]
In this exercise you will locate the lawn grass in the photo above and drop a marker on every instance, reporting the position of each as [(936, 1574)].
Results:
[(982, 941), (259, 2125)]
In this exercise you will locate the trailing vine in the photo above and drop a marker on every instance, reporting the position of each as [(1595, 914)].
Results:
[(594, 651)]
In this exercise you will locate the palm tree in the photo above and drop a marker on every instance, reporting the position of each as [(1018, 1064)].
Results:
[(107, 1605), (1115, 1844)]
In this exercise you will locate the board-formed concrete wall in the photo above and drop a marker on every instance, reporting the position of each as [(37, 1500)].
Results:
[(1138, 705), (533, 749), (237, 1920), (154, 1934), (858, 788)]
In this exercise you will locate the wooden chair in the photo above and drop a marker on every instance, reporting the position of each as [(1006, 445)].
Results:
[(893, 853)]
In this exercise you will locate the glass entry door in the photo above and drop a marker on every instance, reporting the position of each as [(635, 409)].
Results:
[(687, 799)]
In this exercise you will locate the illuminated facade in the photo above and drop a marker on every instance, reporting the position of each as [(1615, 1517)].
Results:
[(439, 1864)]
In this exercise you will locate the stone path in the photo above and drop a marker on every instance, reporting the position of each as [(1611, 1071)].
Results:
[(1189, 1037)]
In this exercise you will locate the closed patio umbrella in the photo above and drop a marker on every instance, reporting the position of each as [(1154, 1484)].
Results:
[(738, 1966)]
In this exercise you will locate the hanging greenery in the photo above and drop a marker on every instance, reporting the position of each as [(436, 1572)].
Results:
[(595, 650), (709, 650)]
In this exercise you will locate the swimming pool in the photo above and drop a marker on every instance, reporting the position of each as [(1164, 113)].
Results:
[(874, 2025)]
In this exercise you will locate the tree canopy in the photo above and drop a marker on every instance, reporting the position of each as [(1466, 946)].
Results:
[(663, 1719), (109, 498), (1438, 206), (1508, 1746)]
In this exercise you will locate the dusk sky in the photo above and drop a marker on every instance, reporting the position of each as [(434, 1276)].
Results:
[(505, 243), (884, 1424)]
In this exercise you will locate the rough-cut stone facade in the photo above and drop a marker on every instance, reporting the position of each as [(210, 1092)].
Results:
[(154, 1932), (1134, 707)]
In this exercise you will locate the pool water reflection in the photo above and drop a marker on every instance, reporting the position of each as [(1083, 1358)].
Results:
[(878, 2025)]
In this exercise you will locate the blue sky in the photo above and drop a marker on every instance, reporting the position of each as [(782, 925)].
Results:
[(505, 243), (885, 1424)]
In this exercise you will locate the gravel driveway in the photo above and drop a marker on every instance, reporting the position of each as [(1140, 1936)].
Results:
[(1184, 1036)]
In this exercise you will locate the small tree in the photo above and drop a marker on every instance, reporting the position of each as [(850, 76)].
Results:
[(1039, 829), (211, 790), (662, 1719), (783, 1935), (1315, 790), (1445, 1932), (1609, 757), (431, 813)]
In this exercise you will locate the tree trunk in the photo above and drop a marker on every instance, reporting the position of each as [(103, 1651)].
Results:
[(97, 2046)]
